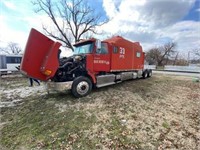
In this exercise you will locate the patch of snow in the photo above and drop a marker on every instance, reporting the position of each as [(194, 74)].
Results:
[(16, 96), (10, 104), (23, 92)]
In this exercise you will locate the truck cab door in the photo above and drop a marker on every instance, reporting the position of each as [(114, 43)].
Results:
[(102, 59)]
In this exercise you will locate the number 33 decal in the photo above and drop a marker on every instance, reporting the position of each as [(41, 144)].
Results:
[(122, 50)]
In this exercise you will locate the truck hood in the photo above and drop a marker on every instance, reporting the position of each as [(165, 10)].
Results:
[(40, 59)]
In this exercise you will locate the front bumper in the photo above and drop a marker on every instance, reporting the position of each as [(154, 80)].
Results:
[(58, 86)]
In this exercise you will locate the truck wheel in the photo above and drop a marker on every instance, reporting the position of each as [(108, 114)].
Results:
[(145, 74), (149, 73), (81, 86)]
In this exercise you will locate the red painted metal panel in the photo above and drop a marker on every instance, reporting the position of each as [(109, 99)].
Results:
[(125, 58), (89, 63), (101, 63), (40, 56), (89, 66), (102, 59)]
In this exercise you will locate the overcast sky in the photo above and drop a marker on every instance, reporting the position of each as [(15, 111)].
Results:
[(151, 22)]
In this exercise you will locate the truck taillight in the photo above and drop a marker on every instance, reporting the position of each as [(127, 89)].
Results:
[(47, 72)]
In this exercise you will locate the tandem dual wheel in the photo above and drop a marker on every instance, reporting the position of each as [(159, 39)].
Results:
[(147, 73)]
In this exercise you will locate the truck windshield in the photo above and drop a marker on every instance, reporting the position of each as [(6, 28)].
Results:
[(84, 48)]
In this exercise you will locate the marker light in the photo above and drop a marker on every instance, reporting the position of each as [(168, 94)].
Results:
[(47, 72)]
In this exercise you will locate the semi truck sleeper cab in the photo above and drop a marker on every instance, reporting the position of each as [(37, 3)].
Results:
[(95, 63)]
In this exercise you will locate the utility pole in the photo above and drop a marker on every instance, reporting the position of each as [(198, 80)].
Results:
[(188, 58)]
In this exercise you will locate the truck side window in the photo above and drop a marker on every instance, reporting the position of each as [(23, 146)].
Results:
[(103, 50), (115, 50), (138, 54)]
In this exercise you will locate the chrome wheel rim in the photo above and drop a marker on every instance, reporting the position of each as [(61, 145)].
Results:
[(82, 88)]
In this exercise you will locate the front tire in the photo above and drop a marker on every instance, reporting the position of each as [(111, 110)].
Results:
[(81, 86)]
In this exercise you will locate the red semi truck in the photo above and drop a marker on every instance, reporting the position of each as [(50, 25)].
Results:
[(95, 63)]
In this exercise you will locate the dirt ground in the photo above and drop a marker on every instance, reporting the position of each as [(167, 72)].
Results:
[(158, 113)]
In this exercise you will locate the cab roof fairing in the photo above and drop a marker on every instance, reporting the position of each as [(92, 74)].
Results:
[(116, 39), (84, 41)]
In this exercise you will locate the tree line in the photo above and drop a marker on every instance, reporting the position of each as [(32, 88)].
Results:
[(168, 55), (11, 48)]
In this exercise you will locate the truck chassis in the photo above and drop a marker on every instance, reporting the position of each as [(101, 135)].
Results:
[(82, 85)]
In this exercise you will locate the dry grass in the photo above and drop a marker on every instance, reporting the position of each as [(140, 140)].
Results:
[(161, 112)]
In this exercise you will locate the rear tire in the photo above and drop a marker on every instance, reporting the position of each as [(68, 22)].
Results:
[(149, 73), (81, 86), (145, 74)]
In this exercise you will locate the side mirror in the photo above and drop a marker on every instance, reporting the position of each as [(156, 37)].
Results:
[(98, 44)]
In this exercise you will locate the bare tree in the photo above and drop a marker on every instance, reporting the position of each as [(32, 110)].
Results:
[(161, 55), (167, 51), (12, 48), (77, 18), (4, 50), (153, 55), (181, 62)]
